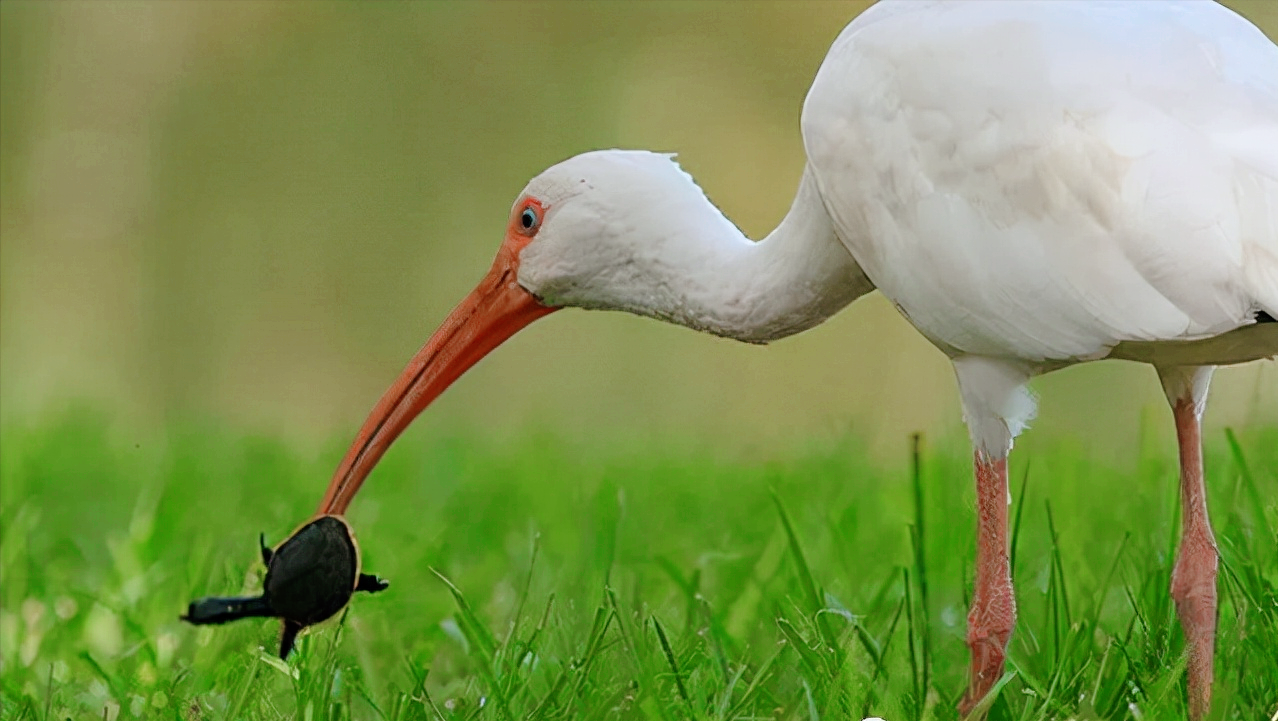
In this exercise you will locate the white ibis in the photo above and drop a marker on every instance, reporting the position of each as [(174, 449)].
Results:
[(1032, 184)]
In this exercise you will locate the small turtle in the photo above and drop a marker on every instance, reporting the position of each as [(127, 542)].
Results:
[(309, 578)]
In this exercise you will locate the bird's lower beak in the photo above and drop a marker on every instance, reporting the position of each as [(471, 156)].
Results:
[(494, 311)]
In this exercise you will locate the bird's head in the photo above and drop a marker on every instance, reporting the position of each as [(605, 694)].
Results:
[(590, 227), (580, 234)]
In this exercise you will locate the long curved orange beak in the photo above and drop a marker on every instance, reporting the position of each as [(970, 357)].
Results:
[(494, 311)]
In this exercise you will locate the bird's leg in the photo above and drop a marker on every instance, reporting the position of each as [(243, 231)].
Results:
[(1193, 585), (993, 612)]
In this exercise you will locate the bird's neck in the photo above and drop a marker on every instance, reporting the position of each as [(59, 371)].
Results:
[(716, 280)]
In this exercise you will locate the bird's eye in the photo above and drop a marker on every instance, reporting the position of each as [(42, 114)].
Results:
[(529, 219)]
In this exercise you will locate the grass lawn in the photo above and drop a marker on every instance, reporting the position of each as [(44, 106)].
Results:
[(540, 580)]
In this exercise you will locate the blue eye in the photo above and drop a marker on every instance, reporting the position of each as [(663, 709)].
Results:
[(528, 219)]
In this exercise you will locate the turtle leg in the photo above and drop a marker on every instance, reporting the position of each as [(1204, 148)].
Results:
[(370, 583), (221, 610), (289, 637), (267, 553)]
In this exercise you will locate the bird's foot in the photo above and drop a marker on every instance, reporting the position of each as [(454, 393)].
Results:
[(988, 656), (989, 629), (1194, 591)]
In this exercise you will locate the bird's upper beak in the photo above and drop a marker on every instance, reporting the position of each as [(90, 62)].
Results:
[(495, 310)]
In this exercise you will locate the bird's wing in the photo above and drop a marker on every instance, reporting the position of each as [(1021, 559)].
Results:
[(1048, 179)]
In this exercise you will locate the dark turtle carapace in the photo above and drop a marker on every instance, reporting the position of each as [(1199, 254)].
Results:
[(309, 577)]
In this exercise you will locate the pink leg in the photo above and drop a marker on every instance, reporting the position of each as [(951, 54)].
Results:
[(993, 613), (1193, 584)]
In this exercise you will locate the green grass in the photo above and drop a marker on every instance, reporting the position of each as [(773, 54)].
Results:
[(540, 581)]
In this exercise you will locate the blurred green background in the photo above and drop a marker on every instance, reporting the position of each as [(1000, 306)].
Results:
[(255, 212)]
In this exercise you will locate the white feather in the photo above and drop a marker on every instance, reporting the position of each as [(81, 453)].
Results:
[(996, 404), (1187, 383), (1043, 181)]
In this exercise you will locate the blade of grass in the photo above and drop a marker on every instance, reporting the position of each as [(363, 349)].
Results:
[(541, 625), (918, 539), (548, 701), (806, 580), (879, 652), (117, 692), (674, 667), (1016, 524), (806, 654), (916, 704), (982, 708), (1093, 702), (48, 694), (1058, 598), (484, 640), (1103, 589), (715, 636), (241, 698), (671, 570), (1249, 480), (813, 714), (756, 683), (483, 643), (627, 637), (523, 596), (690, 610), (598, 629), (725, 697)]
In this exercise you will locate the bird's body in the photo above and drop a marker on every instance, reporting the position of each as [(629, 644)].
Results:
[(1099, 173), (1033, 184), (1040, 184)]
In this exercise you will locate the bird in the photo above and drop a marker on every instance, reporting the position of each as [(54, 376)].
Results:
[(1033, 185)]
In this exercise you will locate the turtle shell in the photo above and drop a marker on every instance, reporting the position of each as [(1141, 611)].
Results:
[(313, 574)]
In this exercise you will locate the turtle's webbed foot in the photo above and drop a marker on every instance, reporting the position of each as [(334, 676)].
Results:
[(370, 583)]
